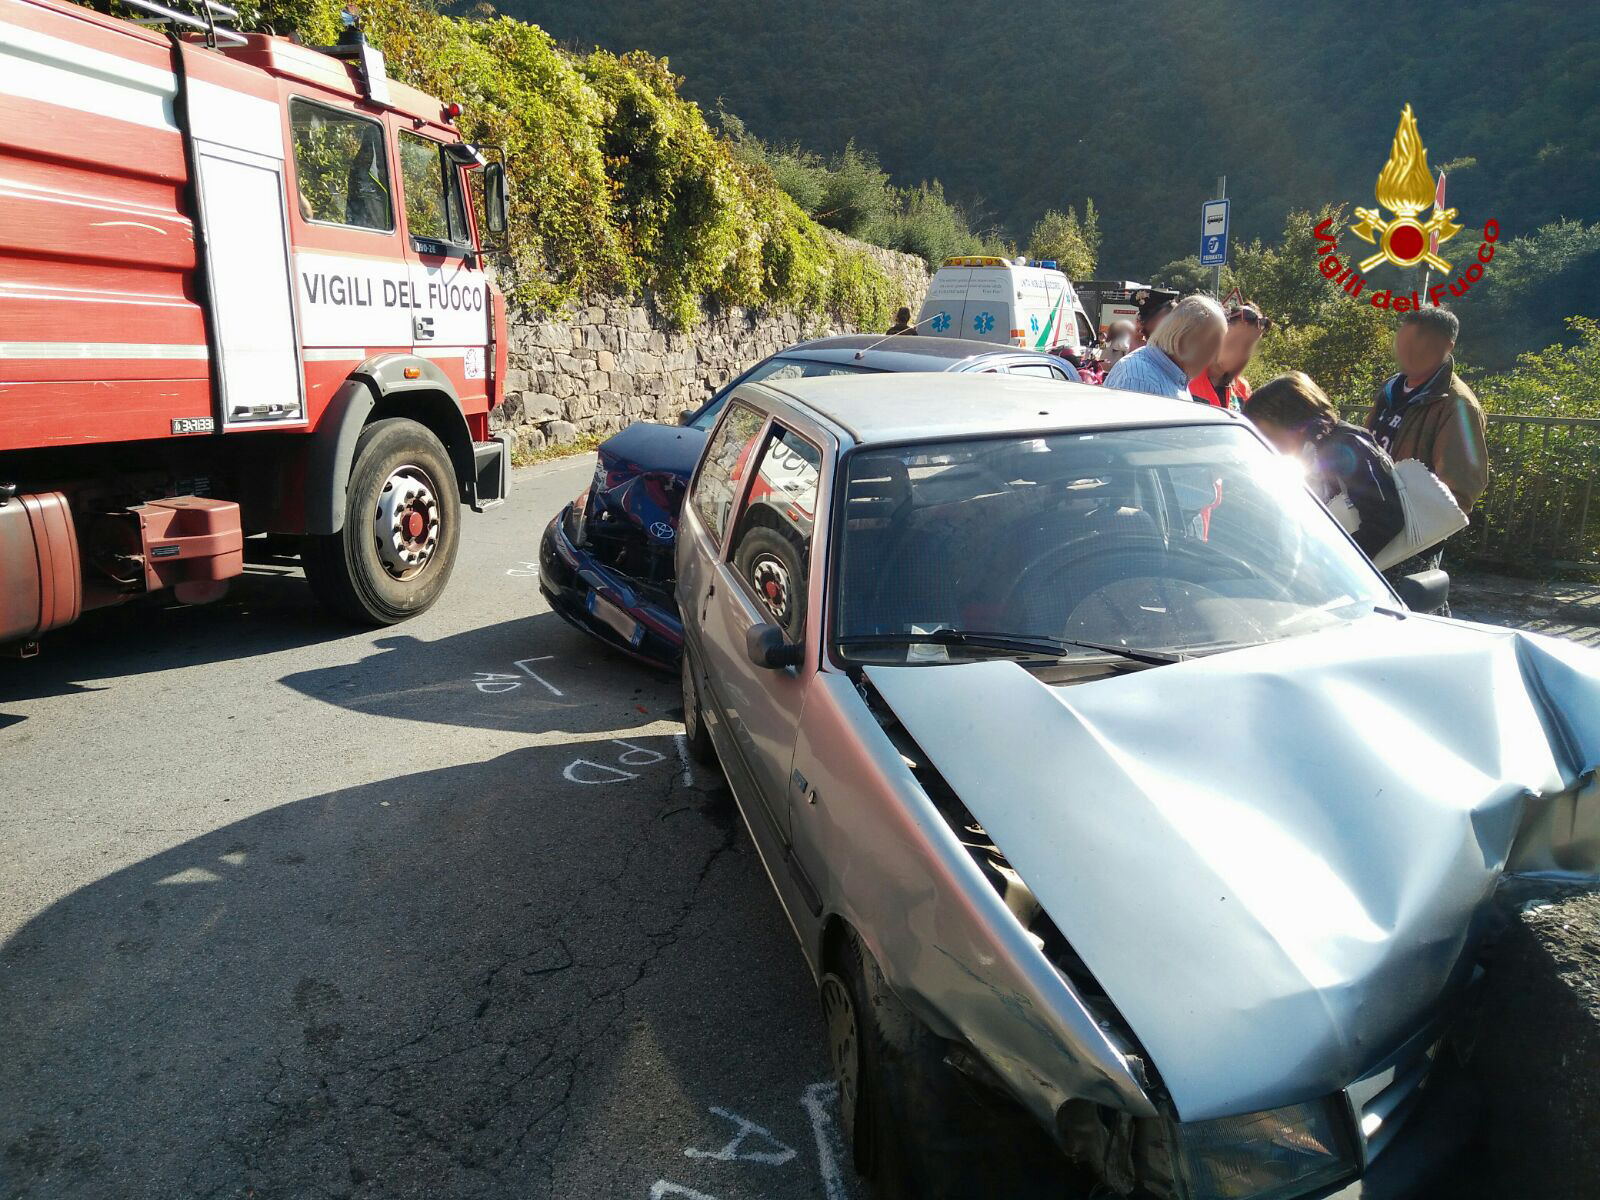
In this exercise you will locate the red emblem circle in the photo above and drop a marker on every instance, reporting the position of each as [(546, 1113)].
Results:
[(1406, 242)]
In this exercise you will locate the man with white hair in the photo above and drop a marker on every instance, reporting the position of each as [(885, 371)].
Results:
[(1185, 344)]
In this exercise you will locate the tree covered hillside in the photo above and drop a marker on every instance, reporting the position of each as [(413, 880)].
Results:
[(1026, 108)]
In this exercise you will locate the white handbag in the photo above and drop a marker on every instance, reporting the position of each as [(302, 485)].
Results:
[(1432, 514)]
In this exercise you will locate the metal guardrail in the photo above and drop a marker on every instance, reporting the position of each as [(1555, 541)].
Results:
[(1541, 508)]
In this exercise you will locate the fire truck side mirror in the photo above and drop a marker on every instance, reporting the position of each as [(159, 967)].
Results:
[(495, 202)]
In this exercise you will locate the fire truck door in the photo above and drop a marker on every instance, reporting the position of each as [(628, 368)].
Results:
[(451, 325), (236, 149)]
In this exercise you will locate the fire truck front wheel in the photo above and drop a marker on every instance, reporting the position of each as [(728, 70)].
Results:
[(402, 522)]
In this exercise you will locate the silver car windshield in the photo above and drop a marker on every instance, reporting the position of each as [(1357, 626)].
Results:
[(1171, 540)]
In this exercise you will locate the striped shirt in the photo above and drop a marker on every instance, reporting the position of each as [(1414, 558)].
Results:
[(1149, 370)]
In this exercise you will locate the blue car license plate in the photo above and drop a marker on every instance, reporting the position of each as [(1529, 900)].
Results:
[(632, 632)]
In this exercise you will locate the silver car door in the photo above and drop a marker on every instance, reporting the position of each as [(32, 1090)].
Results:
[(713, 496), (765, 576)]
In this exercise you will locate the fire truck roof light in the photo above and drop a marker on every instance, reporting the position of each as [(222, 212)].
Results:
[(452, 111)]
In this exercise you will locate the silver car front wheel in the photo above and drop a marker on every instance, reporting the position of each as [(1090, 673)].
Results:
[(695, 737)]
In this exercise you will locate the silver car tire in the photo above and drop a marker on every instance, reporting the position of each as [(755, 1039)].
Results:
[(695, 738), (918, 1129)]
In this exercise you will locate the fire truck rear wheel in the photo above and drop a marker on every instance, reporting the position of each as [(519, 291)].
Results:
[(402, 523)]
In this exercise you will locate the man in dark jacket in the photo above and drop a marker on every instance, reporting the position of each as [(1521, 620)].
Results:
[(1426, 412)]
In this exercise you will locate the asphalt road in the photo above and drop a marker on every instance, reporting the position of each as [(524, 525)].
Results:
[(291, 910)]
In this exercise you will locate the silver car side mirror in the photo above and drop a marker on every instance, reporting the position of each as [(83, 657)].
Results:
[(768, 648)]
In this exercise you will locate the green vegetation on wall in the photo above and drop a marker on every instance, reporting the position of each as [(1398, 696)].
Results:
[(618, 183)]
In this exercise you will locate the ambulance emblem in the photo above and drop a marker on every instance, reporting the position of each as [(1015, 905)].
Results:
[(1406, 187)]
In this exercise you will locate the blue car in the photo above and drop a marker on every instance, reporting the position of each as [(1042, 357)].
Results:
[(606, 559)]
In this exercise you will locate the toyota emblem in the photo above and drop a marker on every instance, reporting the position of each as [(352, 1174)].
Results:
[(661, 531)]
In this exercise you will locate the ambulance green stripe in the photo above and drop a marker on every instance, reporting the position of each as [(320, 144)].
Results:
[(1050, 324)]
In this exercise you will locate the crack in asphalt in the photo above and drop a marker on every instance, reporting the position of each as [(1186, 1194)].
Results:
[(500, 1059)]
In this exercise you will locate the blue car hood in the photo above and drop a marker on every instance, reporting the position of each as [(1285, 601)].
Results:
[(646, 446), (642, 475), (1273, 860)]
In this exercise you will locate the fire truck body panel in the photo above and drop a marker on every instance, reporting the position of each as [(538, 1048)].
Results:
[(315, 297)]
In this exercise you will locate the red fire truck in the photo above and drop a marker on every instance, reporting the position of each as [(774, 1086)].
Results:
[(242, 290)]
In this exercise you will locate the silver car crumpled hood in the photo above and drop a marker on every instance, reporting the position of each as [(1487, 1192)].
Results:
[(1271, 859)]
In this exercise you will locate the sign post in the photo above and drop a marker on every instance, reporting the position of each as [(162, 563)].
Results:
[(1214, 233)]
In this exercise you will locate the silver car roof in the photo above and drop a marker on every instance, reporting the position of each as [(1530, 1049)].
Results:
[(935, 407), (920, 353)]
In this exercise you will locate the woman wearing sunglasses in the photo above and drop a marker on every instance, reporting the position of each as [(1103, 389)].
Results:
[(1223, 385)]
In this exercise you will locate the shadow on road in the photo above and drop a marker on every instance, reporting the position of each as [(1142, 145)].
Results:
[(453, 983), (531, 674), (267, 609)]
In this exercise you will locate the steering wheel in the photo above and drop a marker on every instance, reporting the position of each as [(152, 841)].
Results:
[(1185, 563)]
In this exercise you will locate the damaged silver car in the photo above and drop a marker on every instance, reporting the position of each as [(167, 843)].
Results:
[(1106, 782)]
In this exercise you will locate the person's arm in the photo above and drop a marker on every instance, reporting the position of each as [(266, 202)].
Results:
[(1461, 454), (1376, 499)]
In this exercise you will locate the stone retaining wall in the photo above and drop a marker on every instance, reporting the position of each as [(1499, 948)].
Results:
[(612, 362)]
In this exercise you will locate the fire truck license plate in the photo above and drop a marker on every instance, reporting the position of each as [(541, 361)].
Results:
[(616, 618)]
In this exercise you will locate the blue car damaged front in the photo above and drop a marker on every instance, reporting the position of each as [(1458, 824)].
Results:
[(606, 559)]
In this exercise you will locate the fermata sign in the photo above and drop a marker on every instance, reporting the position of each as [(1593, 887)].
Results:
[(1213, 233)]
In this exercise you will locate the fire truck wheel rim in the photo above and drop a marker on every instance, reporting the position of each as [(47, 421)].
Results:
[(406, 523)]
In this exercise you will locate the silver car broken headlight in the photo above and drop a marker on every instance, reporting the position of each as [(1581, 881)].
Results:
[(1272, 1155)]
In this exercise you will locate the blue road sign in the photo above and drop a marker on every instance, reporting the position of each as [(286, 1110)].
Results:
[(1213, 233)]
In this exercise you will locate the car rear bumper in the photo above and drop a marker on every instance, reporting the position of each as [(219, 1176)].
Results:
[(575, 583)]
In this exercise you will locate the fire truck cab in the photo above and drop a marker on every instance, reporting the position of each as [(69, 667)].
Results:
[(242, 290)]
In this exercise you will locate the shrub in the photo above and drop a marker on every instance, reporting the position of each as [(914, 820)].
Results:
[(852, 194), (1541, 503), (1072, 244)]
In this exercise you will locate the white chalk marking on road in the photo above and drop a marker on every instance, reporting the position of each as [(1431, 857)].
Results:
[(686, 776), (662, 1188), (611, 774), (734, 1152), (525, 570), (820, 1101), (493, 681), (548, 686), (628, 755)]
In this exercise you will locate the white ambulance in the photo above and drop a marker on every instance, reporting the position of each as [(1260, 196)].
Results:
[(1012, 302)]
